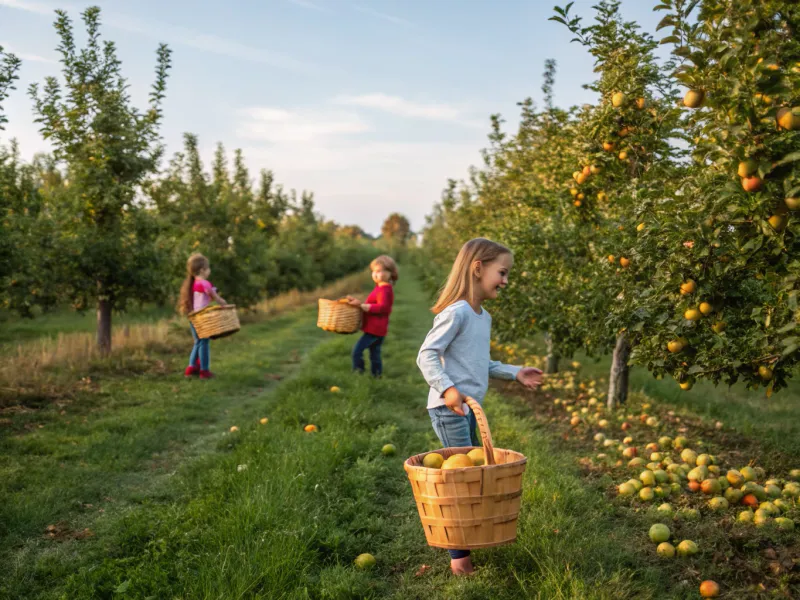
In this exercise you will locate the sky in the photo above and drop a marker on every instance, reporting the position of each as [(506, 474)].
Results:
[(370, 104)]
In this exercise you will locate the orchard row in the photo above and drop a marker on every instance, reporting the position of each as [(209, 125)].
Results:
[(658, 222)]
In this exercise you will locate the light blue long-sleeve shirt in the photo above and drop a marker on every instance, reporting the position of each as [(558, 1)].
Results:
[(456, 353)]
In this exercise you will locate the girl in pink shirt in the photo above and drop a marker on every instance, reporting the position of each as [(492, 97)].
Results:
[(196, 293)]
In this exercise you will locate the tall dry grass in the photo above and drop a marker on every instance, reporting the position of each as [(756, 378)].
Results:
[(57, 366), (341, 287)]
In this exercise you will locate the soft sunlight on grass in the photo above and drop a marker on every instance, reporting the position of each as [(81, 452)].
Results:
[(139, 488), (182, 518), (53, 366)]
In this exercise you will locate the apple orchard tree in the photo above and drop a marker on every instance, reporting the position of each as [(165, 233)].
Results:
[(107, 238), (724, 249), (624, 159)]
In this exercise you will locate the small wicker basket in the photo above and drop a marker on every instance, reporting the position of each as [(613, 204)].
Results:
[(215, 321), (474, 507), (338, 316)]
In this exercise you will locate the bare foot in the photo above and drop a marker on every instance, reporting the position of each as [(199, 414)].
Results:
[(462, 566)]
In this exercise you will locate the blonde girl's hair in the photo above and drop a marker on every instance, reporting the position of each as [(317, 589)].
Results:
[(460, 284), (196, 264), (387, 262)]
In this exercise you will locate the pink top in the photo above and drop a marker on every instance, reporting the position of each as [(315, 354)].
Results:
[(201, 297)]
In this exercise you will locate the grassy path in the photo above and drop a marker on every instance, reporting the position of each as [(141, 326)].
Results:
[(191, 510), (81, 464)]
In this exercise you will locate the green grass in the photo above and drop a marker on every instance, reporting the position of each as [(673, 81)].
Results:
[(182, 517), (14, 329)]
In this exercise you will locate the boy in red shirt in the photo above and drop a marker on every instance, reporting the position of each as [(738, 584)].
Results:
[(377, 308)]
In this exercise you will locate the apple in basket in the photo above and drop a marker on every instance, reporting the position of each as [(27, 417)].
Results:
[(433, 460), (477, 457), (458, 461)]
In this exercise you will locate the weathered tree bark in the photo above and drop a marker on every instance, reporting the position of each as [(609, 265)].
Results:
[(104, 326), (552, 357), (618, 377)]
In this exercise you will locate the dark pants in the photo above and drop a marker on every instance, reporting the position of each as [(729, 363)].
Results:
[(373, 343)]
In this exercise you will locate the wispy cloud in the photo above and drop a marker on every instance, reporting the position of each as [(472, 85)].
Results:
[(410, 109), (279, 125), (401, 106), (34, 7), (25, 56), (176, 34), (309, 4), (383, 16), (356, 181)]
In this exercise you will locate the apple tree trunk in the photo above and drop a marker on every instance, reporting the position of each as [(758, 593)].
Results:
[(104, 326), (551, 365), (618, 377)]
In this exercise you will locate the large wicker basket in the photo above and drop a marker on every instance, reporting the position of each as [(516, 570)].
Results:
[(338, 316), (215, 321), (474, 507)]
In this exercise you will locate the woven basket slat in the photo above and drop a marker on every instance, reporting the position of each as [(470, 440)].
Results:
[(214, 322), (338, 316), (470, 522), (473, 507), (434, 500)]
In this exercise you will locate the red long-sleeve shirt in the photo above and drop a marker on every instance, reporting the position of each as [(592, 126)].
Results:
[(376, 320)]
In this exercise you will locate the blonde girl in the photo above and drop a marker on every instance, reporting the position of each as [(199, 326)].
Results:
[(196, 293), (454, 358), (377, 308)]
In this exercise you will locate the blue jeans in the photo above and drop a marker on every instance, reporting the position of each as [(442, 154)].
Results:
[(454, 431), (373, 343), (200, 350)]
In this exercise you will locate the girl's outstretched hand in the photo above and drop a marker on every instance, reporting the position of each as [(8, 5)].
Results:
[(454, 400), (530, 377)]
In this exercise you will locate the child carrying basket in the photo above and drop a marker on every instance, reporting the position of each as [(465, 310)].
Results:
[(206, 321), (349, 314), (480, 504)]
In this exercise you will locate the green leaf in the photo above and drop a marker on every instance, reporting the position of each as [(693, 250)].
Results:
[(671, 39), (753, 244), (666, 22), (123, 587), (789, 350), (695, 369), (682, 51), (789, 158), (698, 58)]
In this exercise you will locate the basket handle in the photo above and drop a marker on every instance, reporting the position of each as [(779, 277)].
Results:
[(483, 427)]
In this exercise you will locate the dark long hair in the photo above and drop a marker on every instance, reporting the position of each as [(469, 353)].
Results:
[(194, 266)]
